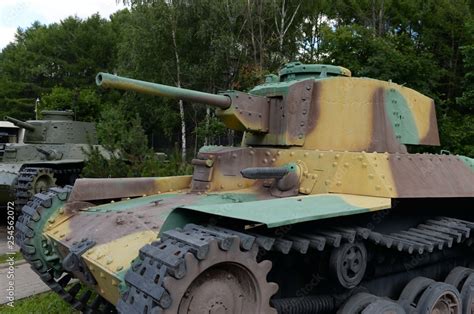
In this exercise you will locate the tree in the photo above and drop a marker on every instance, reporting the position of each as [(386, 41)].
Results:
[(126, 143), (58, 61)]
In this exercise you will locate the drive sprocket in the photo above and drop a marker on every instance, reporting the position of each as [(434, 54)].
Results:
[(195, 272)]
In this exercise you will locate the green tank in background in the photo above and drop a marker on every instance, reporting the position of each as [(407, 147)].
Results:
[(50, 153)]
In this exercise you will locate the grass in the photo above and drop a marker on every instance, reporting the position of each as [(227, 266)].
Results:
[(4, 257), (48, 302)]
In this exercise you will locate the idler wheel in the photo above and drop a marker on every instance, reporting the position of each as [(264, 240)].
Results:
[(425, 296), (365, 303), (463, 279), (348, 263)]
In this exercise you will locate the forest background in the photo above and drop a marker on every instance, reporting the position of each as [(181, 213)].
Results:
[(213, 45)]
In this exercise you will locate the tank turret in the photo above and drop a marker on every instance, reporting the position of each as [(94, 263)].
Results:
[(314, 107), (57, 127)]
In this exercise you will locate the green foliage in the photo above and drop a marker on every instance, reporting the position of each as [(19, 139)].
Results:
[(48, 302), (210, 128), (126, 143), (425, 44), (58, 62), (17, 256), (467, 98), (85, 103), (457, 132)]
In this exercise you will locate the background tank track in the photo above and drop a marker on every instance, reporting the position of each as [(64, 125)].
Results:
[(24, 190), (28, 233)]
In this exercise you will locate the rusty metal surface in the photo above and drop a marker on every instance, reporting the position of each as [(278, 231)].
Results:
[(298, 103), (426, 175), (106, 225), (289, 116), (99, 189)]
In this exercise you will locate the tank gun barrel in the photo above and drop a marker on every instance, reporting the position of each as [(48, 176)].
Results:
[(107, 80), (22, 124), (44, 152)]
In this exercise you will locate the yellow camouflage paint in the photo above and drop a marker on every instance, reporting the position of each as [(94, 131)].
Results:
[(342, 120), (106, 261), (323, 172), (342, 172), (364, 174), (171, 184), (345, 118), (372, 203), (103, 260), (364, 181)]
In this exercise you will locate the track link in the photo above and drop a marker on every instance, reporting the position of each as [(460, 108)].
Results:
[(33, 215)]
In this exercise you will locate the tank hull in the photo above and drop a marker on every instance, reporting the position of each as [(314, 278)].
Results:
[(169, 203)]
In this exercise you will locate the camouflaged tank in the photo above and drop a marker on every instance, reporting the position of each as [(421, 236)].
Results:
[(320, 210), (50, 153)]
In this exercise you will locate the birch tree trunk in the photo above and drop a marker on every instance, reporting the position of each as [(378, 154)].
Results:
[(252, 32), (283, 23), (181, 104), (208, 117)]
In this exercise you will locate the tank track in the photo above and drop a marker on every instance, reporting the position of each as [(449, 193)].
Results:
[(27, 226), (146, 279), (23, 189), (435, 234)]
